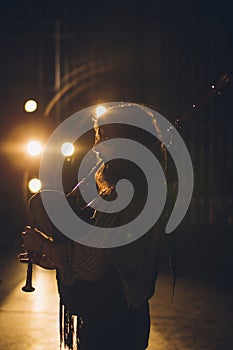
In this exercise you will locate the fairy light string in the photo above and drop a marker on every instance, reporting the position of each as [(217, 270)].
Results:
[(216, 89)]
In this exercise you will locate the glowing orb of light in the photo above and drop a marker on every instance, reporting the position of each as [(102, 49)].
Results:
[(30, 106), (34, 148), (100, 110), (34, 185), (67, 149)]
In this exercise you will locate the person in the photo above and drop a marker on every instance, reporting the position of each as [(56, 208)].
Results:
[(108, 288)]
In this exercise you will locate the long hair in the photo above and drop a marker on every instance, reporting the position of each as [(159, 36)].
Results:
[(105, 187)]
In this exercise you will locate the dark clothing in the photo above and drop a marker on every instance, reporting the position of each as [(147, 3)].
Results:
[(136, 263), (108, 322), (109, 288), (127, 330)]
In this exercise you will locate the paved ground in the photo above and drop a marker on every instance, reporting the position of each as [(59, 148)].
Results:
[(200, 317), (29, 321)]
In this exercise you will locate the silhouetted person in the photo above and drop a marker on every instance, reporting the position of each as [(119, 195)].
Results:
[(108, 288)]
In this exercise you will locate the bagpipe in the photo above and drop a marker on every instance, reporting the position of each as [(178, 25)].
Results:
[(70, 323), (41, 224)]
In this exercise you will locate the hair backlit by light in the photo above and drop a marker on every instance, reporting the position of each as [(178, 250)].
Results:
[(34, 185), (67, 149), (100, 110), (30, 106), (34, 148)]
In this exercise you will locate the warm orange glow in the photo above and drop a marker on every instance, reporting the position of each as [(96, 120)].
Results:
[(37, 312), (34, 185), (34, 148), (67, 149), (100, 110)]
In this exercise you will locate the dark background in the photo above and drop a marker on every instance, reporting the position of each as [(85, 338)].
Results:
[(166, 55)]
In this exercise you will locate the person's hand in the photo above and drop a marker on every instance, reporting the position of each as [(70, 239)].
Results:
[(42, 249), (32, 240)]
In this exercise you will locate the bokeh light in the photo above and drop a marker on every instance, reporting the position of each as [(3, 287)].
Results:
[(100, 110), (34, 185), (34, 148), (30, 106), (67, 149)]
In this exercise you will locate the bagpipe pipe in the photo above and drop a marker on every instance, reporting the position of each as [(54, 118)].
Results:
[(42, 225), (39, 221)]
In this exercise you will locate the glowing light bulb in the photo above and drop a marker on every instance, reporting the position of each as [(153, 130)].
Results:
[(100, 110), (34, 148), (67, 149), (30, 106), (34, 185)]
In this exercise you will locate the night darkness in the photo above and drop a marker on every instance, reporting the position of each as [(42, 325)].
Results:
[(173, 56)]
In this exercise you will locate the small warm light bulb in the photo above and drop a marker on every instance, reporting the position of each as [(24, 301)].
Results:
[(34, 148), (100, 110), (34, 185), (30, 106), (67, 149)]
